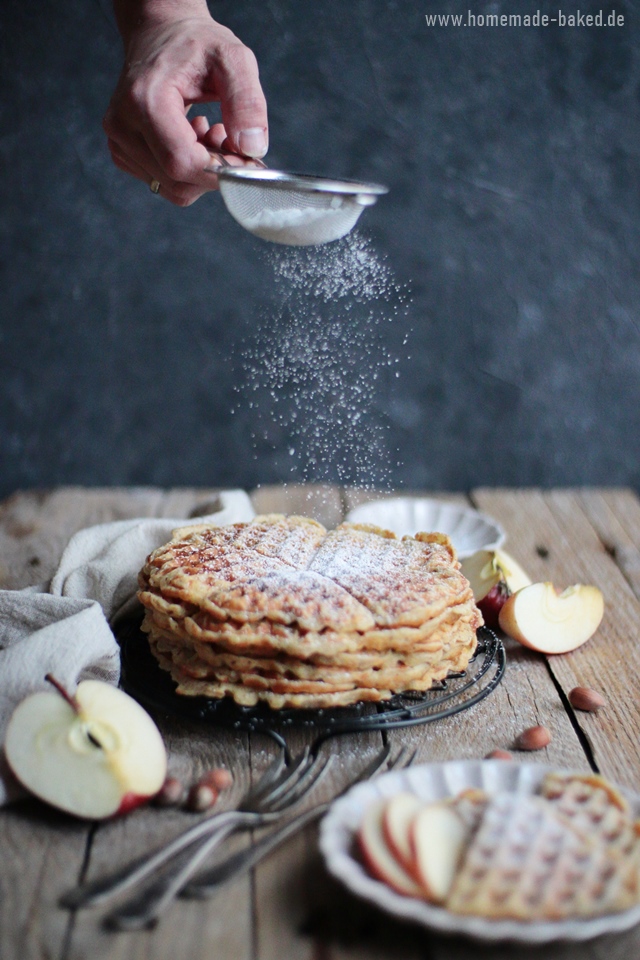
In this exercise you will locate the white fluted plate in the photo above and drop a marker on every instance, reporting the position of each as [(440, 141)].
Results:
[(468, 529), (436, 781)]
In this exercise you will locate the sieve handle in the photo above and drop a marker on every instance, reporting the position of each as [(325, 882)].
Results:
[(223, 162)]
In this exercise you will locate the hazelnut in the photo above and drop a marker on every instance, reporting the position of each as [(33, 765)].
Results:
[(582, 698), (171, 793), (534, 738), (219, 778), (201, 797)]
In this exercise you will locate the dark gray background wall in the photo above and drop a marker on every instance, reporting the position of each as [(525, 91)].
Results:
[(514, 214)]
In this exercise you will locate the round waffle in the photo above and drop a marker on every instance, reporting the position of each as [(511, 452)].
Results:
[(283, 611)]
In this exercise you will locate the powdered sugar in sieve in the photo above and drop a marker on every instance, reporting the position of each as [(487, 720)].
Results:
[(294, 209)]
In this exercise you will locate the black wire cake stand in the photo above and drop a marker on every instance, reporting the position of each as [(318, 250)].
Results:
[(144, 680)]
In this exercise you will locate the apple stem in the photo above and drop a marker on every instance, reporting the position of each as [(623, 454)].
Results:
[(71, 700)]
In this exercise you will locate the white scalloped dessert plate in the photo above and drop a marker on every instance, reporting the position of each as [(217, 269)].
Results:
[(468, 529), (434, 782)]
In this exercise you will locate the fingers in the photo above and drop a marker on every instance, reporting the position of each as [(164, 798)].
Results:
[(244, 108), (200, 126), (158, 135), (171, 65), (180, 194)]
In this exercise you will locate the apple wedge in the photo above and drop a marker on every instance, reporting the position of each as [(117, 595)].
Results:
[(542, 618), (438, 839), (377, 856), (94, 754), (397, 818), (493, 576)]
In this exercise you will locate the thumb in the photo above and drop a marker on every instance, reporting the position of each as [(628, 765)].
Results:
[(244, 108)]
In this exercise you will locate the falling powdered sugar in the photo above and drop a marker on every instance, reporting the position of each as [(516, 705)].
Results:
[(318, 369)]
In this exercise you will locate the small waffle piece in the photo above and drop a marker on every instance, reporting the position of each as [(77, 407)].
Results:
[(527, 863), (597, 810)]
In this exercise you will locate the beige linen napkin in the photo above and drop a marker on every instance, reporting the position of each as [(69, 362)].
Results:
[(67, 631)]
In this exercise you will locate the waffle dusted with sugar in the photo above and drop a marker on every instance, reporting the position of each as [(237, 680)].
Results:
[(569, 850), (283, 611)]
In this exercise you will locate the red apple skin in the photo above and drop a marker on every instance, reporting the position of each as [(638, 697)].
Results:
[(376, 873), (129, 802), (491, 605), (376, 869), (403, 856)]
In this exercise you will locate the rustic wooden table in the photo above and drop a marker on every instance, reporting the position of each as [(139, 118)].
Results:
[(289, 907)]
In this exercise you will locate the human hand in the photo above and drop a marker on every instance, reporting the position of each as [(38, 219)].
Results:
[(172, 63)]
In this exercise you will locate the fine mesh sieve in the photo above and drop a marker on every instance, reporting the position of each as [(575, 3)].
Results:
[(294, 208)]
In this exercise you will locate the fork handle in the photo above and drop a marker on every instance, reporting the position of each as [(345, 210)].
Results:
[(143, 911), (98, 891), (208, 883)]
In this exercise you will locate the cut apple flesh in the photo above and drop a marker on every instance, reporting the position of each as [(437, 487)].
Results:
[(105, 758), (378, 858), (512, 571), (543, 619), (481, 572), (493, 576), (438, 838), (398, 816), (487, 568)]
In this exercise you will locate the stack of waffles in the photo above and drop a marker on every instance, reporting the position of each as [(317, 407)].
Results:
[(282, 611)]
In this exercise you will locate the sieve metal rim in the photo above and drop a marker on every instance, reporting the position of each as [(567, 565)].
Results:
[(308, 183)]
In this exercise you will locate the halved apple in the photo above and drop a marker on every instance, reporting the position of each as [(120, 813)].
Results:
[(544, 619), (438, 839), (94, 754), (379, 860), (397, 818), (493, 576)]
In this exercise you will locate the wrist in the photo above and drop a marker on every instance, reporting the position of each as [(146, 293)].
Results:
[(132, 17)]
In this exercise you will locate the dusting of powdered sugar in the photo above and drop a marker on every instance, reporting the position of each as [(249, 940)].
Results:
[(317, 372)]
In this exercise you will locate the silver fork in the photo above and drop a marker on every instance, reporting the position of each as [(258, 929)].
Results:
[(143, 910), (207, 884), (276, 787)]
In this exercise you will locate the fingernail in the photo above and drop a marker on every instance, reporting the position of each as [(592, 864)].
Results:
[(253, 142)]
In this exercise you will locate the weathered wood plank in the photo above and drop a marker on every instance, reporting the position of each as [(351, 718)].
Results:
[(615, 515), (40, 849), (550, 534), (321, 502), (285, 884), (35, 526), (194, 929)]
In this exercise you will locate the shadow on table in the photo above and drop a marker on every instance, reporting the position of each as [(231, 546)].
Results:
[(340, 920)]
